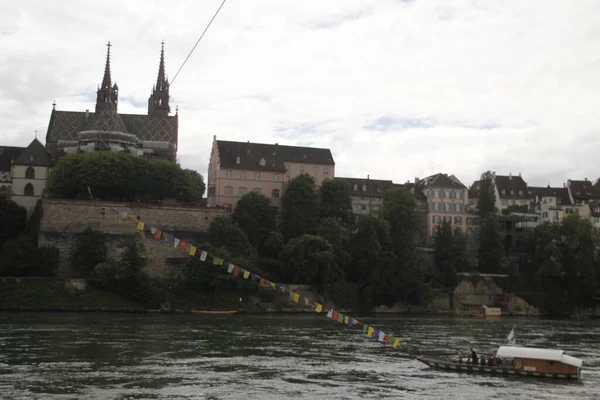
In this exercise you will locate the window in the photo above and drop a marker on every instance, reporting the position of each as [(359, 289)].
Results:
[(436, 219), (458, 195), (287, 167), (228, 191), (545, 214), (447, 194), (436, 194), (364, 188), (242, 191), (447, 206), (237, 160), (31, 157), (325, 171), (469, 221), (262, 162), (275, 193), (355, 187), (555, 216), (275, 177), (243, 174), (302, 168), (363, 207), (316, 170), (258, 176), (30, 173), (458, 221), (436, 206), (457, 207), (28, 191), (229, 174)]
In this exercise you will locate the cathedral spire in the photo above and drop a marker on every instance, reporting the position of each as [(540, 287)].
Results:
[(107, 92), (158, 102)]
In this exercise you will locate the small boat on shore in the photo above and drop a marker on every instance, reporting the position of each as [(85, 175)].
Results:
[(514, 360), (204, 312), (488, 312)]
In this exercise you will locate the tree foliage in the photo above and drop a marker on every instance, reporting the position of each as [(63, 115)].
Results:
[(299, 207), (490, 251), (336, 200), (89, 249), (225, 233), (400, 210), (13, 220), (256, 217), (486, 202), (21, 257), (122, 176), (450, 254), (307, 259)]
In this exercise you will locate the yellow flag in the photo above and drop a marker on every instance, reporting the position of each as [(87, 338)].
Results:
[(346, 319), (273, 285), (296, 297), (319, 308), (395, 345), (192, 250), (246, 274), (221, 261), (370, 331), (140, 226)]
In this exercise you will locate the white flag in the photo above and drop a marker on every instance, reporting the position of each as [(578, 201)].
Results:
[(230, 268), (153, 230), (203, 256), (381, 336), (175, 242), (511, 338), (330, 313)]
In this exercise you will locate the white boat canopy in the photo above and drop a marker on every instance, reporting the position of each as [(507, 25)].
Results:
[(538, 354)]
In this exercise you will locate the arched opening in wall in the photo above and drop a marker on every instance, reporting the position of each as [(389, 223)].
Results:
[(30, 173), (28, 190), (4, 191)]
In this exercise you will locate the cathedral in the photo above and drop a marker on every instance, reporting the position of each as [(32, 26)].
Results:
[(153, 135)]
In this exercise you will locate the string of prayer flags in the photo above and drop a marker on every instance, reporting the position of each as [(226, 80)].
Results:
[(192, 251)]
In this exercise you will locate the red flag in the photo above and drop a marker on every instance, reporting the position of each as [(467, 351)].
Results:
[(386, 338), (261, 281), (182, 245), (236, 270), (334, 316), (158, 234)]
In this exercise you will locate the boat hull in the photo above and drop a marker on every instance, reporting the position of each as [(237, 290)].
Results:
[(202, 312), (501, 370)]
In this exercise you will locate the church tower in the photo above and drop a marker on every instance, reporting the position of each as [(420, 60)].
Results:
[(158, 102), (107, 93)]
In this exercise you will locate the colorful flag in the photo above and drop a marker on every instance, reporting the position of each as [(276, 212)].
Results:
[(365, 328), (346, 319), (370, 331), (261, 282), (350, 322), (272, 285), (230, 268), (203, 255), (387, 338), (182, 246), (236, 270), (175, 242), (319, 308), (147, 228), (306, 301), (153, 230), (330, 313), (140, 226), (296, 297), (192, 250), (130, 217), (216, 261), (381, 337), (157, 234), (396, 342), (246, 274), (376, 333), (253, 277)]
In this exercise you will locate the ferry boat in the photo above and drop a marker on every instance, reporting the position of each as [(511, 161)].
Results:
[(514, 360), (488, 312)]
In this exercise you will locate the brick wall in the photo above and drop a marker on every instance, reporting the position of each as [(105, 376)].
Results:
[(63, 219)]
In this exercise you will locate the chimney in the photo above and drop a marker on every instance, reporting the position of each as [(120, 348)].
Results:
[(509, 175), (87, 114), (416, 180), (585, 179), (368, 176)]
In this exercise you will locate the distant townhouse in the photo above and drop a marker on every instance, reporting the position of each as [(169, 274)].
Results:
[(235, 168), (367, 194), (7, 155), (551, 204), (591, 211), (510, 190), (447, 199), (581, 192)]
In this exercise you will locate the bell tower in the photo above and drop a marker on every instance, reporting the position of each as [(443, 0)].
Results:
[(158, 102), (107, 93)]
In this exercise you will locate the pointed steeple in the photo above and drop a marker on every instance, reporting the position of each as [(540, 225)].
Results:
[(106, 92), (158, 102)]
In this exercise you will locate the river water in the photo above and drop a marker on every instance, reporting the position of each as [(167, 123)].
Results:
[(129, 356)]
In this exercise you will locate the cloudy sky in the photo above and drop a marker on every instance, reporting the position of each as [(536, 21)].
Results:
[(396, 89)]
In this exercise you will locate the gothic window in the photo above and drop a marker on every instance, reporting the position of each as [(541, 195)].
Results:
[(28, 190), (30, 173)]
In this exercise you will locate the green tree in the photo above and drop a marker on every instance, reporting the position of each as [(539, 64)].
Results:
[(336, 200), (307, 259), (225, 233), (486, 202), (446, 253), (400, 210), (336, 234), (490, 251), (191, 187), (299, 207), (21, 257), (13, 220), (89, 249), (256, 216)]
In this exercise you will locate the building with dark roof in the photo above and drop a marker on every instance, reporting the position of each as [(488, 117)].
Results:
[(235, 168), (28, 172), (551, 204), (511, 190), (582, 192), (367, 194), (154, 135)]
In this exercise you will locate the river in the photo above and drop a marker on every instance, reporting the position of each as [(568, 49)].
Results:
[(135, 356)]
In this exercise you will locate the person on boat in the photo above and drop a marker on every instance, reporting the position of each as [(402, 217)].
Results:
[(474, 358), (460, 357)]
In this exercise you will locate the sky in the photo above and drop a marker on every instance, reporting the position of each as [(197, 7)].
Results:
[(396, 89)]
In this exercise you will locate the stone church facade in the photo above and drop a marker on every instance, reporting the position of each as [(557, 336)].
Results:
[(154, 135)]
